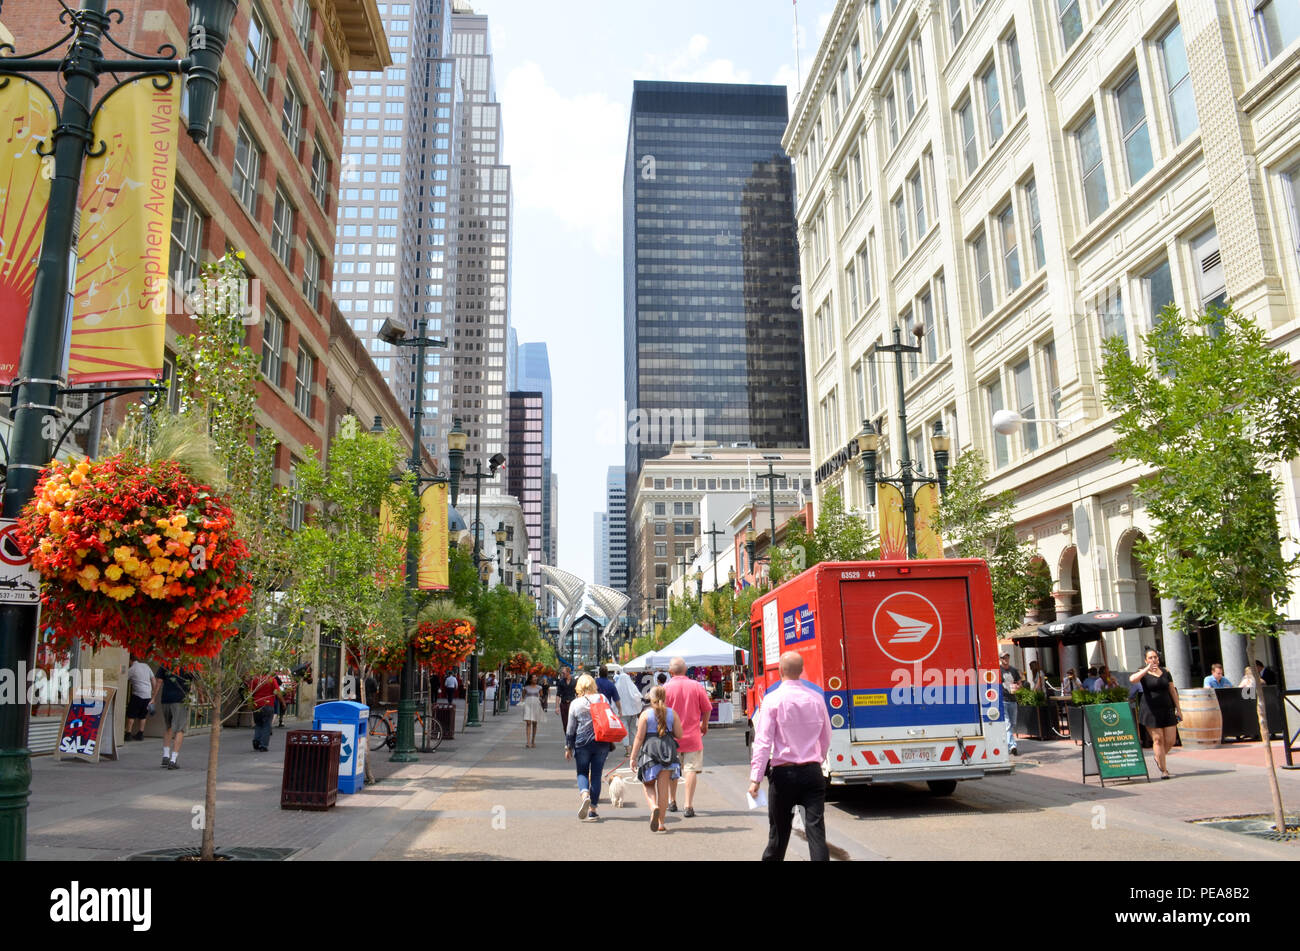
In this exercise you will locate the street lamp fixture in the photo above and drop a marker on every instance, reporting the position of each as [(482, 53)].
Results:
[(1007, 421), (869, 444), (699, 585), (37, 382), (457, 440)]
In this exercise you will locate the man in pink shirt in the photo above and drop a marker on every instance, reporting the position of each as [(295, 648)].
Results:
[(793, 733), (690, 703)]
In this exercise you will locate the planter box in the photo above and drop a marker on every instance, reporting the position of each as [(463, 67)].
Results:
[(1036, 722)]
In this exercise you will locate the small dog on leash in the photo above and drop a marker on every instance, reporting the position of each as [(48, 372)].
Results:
[(616, 788)]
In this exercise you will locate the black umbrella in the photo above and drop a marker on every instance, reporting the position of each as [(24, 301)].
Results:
[(1084, 629)]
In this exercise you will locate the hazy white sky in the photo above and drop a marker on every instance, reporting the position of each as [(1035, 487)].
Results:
[(564, 76)]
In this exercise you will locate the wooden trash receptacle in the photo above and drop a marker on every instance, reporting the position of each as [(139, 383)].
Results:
[(311, 769), (1202, 724)]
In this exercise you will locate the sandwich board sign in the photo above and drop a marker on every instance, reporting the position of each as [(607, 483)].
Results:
[(1111, 747), (19, 581), (87, 731)]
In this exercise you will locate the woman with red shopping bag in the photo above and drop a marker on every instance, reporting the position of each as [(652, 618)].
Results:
[(593, 729)]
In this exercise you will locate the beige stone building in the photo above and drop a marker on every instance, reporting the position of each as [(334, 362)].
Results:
[(1019, 180)]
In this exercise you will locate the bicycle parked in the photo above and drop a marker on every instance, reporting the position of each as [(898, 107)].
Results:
[(383, 731)]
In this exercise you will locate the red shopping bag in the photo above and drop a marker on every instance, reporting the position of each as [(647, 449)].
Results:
[(605, 722)]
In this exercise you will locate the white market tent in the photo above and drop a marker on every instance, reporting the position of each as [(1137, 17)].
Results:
[(697, 647), (637, 665)]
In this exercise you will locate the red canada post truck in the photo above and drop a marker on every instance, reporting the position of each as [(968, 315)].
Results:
[(905, 653)]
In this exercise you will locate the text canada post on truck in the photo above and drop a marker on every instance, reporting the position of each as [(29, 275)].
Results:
[(905, 653)]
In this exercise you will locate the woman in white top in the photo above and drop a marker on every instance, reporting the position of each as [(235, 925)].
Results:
[(532, 710)]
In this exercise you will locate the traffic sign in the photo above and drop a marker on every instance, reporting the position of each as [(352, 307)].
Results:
[(19, 581)]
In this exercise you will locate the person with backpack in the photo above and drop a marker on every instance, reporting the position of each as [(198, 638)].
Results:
[(654, 751), (590, 735)]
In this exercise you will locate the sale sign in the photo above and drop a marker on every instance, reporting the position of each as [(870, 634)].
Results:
[(87, 732)]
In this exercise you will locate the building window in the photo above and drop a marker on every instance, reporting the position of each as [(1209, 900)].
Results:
[(272, 344), (187, 236), (1291, 191), (661, 508), (1277, 24), (873, 380), (891, 112), (257, 52), (1071, 20), (1182, 105), (1158, 285), (1010, 247), (661, 549), (900, 221), (302, 381), (909, 93), (311, 273), (291, 116), (966, 127), (248, 158), (296, 507), (877, 26), (954, 21), (1017, 78), (1053, 381), (851, 282), (931, 340), (992, 103), (1001, 455), (983, 274), (326, 81), (864, 269), (1024, 379), (855, 162), (302, 21), (1095, 197), (1133, 126), (918, 202), (1035, 224), (319, 173), (860, 390), (661, 528), (282, 227), (1110, 312)]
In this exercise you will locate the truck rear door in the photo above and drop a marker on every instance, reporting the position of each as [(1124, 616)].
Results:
[(911, 657)]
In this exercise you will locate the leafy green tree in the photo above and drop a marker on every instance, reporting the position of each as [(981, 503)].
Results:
[(839, 535), (1213, 410), (350, 566), (977, 525)]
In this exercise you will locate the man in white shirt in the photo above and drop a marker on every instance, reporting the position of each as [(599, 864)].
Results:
[(141, 678), (451, 684)]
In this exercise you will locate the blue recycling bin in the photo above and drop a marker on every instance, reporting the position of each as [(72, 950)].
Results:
[(352, 719)]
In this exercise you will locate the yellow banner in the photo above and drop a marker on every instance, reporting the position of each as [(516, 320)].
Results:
[(893, 526), (26, 118), (119, 316), (389, 527), (433, 539), (929, 544)]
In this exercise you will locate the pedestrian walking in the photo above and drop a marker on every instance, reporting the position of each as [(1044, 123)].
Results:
[(792, 735), (139, 705), (564, 694), (264, 691), (581, 746), (630, 705), (654, 751), (1161, 711), (1010, 684), (545, 683), (606, 686), (450, 685), (690, 701), (532, 710), (174, 690)]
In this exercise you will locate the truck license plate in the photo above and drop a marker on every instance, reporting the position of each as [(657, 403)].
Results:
[(923, 754)]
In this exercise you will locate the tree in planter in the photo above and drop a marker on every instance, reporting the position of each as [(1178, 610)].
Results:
[(350, 567), (217, 379), (976, 525), (1213, 410)]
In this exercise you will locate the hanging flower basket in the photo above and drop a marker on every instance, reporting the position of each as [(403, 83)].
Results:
[(135, 554), (440, 645), (519, 664), (386, 655)]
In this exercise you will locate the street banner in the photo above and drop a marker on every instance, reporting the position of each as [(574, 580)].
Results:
[(1111, 746), (433, 538), (26, 118), (928, 542), (119, 316), (893, 525), (389, 527)]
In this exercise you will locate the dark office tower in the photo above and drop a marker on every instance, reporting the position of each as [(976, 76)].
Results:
[(713, 344), (534, 374), (524, 471)]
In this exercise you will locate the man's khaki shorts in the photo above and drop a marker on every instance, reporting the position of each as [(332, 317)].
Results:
[(693, 762)]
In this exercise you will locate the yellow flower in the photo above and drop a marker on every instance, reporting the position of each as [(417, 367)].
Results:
[(162, 565), (90, 572), (131, 565), (180, 521), (77, 477), (113, 572), (123, 552)]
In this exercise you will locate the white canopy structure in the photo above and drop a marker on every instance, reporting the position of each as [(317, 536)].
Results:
[(637, 665), (586, 610), (697, 647)]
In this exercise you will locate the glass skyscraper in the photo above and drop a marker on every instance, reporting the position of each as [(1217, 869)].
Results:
[(713, 342)]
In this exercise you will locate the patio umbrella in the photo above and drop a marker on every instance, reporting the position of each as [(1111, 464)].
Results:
[(1083, 629)]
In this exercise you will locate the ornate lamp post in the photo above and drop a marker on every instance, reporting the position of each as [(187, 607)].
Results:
[(500, 536), (37, 384), (869, 443), (393, 333), (699, 585), (495, 463)]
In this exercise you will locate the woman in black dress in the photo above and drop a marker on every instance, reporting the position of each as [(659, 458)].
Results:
[(1160, 708)]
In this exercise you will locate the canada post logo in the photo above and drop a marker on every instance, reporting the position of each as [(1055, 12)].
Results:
[(797, 625), (907, 627)]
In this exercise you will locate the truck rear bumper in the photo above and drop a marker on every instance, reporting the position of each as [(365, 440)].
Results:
[(916, 775)]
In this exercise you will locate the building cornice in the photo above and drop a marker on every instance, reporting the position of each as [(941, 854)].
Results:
[(354, 33)]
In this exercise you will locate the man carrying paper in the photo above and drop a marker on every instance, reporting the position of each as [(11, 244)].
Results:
[(793, 733)]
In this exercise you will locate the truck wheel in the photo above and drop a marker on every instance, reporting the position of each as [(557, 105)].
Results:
[(942, 787)]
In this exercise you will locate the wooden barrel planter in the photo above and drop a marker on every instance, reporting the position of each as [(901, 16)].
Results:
[(1202, 724)]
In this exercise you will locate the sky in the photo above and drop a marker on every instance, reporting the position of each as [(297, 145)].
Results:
[(564, 77)]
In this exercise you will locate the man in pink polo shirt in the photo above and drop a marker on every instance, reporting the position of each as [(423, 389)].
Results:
[(690, 703)]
